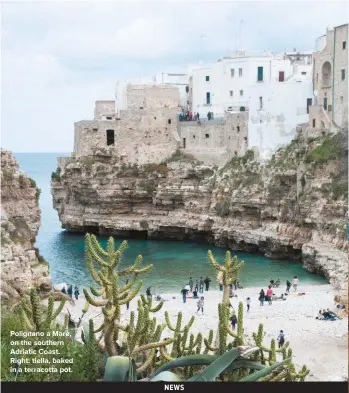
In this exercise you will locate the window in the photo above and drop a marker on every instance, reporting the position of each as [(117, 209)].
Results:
[(208, 98), (241, 93), (207, 136), (232, 72), (260, 74), (326, 74), (343, 74), (240, 71), (109, 118), (184, 143), (193, 136), (110, 137), (231, 93), (344, 44), (242, 109), (309, 103), (238, 129), (281, 76), (325, 103), (169, 121), (313, 123), (304, 73), (260, 102), (207, 78)]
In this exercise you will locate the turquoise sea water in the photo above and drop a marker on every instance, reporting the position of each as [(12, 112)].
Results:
[(173, 262)]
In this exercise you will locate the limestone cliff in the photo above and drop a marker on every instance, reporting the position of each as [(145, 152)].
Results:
[(293, 206), (21, 265)]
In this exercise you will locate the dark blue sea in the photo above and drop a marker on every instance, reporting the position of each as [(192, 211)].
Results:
[(173, 262)]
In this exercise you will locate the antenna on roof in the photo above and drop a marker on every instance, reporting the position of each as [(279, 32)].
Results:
[(239, 39)]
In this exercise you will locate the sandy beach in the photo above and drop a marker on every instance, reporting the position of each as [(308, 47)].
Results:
[(321, 345)]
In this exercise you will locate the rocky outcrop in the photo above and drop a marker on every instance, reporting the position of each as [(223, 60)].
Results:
[(21, 264), (293, 206)]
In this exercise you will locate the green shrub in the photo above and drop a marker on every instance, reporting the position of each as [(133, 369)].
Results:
[(7, 175), (32, 182), (327, 151), (22, 181), (56, 175), (178, 155)]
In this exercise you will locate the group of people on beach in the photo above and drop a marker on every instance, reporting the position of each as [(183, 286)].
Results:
[(70, 291), (269, 295)]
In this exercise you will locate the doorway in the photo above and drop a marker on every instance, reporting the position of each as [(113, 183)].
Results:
[(281, 76)]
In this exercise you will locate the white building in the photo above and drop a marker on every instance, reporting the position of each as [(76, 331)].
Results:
[(276, 108), (277, 91), (224, 85)]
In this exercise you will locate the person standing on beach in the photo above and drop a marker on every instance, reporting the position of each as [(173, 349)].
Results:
[(70, 290), (248, 302), (195, 294), (191, 284), (200, 305), (288, 286), (184, 292), (201, 285), (295, 283), (270, 295), (261, 297), (148, 293), (235, 283), (76, 293), (207, 282), (281, 339), (233, 321)]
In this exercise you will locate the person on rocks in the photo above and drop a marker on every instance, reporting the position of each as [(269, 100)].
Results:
[(201, 285), (191, 284), (207, 283), (76, 293), (184, 292), (64, 290), (295, 283), (261, 297), (288, 286), (270, 295), (148, 293), (233, 321), (281, 339), (70, 290), (200, 305), (248, 302)]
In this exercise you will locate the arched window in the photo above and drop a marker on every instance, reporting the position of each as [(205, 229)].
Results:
[(110, 137), (326, 74)]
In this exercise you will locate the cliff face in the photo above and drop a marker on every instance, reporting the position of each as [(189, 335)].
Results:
[(21, 265), (293, 206)]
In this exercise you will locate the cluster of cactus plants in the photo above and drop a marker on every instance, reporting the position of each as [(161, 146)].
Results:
[(141, 338)]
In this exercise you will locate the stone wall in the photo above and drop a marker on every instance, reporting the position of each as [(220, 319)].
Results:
[(104, 109), (21, 265), (215, 144), (156, 96)]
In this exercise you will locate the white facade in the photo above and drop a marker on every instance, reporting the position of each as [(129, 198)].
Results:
[(225, 85), (276, 108), (178, 79)]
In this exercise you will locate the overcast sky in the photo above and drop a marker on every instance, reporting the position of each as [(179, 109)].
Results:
[(58, 58)]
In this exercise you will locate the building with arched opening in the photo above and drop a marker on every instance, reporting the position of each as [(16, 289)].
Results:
[(330, 79)]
